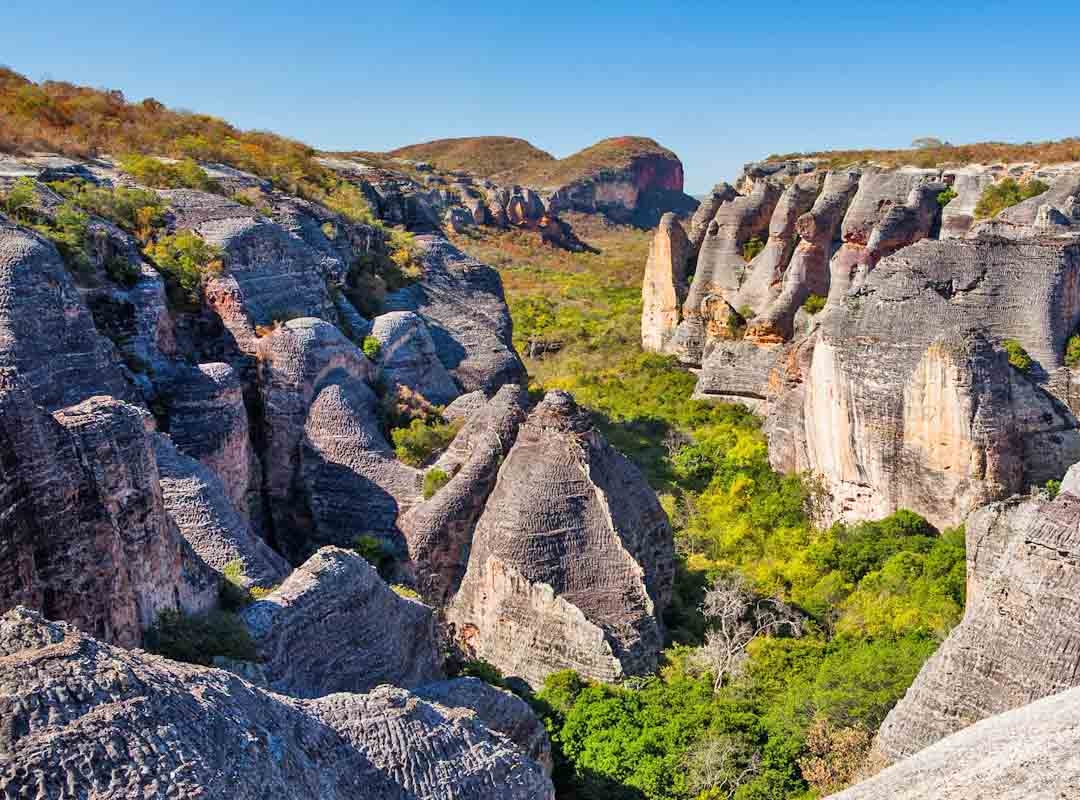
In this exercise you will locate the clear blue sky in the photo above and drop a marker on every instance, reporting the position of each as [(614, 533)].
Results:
[(718, 83)]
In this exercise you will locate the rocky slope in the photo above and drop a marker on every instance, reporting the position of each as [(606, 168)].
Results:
[(166, 451), (86, 719), (898, 393)]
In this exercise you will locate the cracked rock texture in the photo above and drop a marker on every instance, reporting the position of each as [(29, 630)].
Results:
[(335, 626), (407, 357), (1030, 752), (128, 724), (572, 560), (664, 289)]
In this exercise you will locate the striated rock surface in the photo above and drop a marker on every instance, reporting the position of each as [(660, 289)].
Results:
[(440, 530), (335, 626), (664, 288), (207, 421), (84, 534), (407, 357), (129, 724), (196, 501), (1031, 752), (1017, 641), (499, 710), (462, 302), (572, 560), (46, 331)]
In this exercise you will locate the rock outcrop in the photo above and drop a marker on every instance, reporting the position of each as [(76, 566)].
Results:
[(440, 531), (84, 533), (462, 302), (129, 724), (408, 359), (1017, 641), (572, 560), (898, 393), (664, 289), (1031, 752), (335, 626)]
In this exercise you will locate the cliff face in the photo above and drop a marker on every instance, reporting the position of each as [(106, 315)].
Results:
[(899, 393)]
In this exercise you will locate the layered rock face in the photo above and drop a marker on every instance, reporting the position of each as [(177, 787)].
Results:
[(1017, 641), (1031, 752), (571, 561), (334, 626), (898, 394), (130, 724)]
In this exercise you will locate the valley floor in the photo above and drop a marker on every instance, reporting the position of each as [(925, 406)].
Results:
[(870, 601)]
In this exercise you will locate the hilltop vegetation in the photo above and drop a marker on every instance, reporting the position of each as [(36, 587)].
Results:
[(794, 715), (508, 160), (944, 154)]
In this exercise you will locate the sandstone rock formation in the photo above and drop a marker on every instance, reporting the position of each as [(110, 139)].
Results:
[(898, 393), (463, 304), (664, 289), (440, 531), (196, 501), (571, 562), (1031, 752), (84, 535), (335, 626), (407, 357), (1016, 641), (129, 724)]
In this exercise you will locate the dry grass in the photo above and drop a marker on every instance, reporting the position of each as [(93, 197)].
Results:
[(1055, 152)]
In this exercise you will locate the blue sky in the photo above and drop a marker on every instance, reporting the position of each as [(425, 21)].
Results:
[(719, 83)]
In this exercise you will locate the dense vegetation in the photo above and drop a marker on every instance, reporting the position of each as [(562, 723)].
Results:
[(791, 716)]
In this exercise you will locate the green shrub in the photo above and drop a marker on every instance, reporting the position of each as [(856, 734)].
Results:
[(434, 479), (946, 197), (1072, 351), (234, 594), (186, 260), (814, 303), (19, 199), (402, 590), (182, 174), (1005, 193), (69, 230), (371, 347), (374, 551), (416, 444), (122, 271), (138, 211), (1018, 356), (1052, 487), (197, 638), (479, 668), (752, 247)]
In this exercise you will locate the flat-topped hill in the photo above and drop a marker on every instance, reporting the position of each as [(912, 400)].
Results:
[(511, 160)]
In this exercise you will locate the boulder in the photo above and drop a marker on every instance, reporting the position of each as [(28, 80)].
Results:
[(335, 626), (572, 561), (128, 724)]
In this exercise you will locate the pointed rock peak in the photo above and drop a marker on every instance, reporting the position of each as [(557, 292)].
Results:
[(559, 412)]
